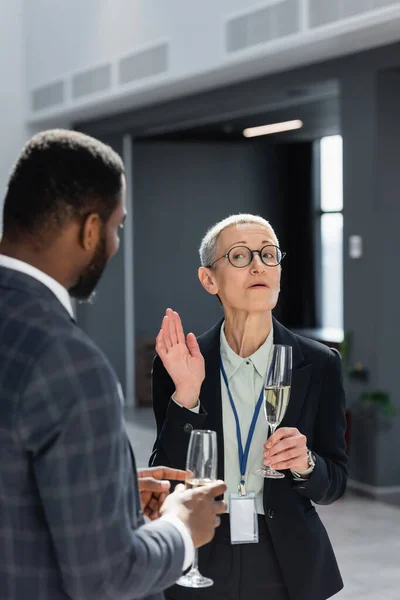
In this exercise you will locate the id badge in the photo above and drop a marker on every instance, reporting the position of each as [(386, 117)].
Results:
[(243, 518)]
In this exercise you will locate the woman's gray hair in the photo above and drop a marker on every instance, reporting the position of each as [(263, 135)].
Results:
[(209, 244)]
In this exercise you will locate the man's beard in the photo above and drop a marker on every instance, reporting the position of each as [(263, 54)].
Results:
[(85, 288)]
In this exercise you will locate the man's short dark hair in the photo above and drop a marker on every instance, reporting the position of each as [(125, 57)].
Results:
[(60, 176)]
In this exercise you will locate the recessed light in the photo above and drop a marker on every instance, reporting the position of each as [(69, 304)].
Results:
[(272, 128)]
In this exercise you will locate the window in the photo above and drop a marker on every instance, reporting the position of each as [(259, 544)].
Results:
[(330, 230)]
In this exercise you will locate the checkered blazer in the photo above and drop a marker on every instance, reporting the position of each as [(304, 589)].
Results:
[(70, 520)]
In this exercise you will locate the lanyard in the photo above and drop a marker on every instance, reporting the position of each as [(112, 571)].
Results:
[(243, 454)]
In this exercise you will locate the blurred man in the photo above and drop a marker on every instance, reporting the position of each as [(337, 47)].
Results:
[(71, 524)]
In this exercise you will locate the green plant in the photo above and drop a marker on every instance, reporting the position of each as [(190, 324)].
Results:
[(379, 399), (376, 399)]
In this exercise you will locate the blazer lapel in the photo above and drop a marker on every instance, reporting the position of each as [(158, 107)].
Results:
[(210, 395), (300, 375)]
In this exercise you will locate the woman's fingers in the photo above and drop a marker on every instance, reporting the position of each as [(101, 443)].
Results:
[(161, 347), (172, 326), (193, 345), (166, 326), (180, 336), (172, 334)]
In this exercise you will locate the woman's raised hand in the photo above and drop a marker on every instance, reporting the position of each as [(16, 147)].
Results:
[(182, 359)]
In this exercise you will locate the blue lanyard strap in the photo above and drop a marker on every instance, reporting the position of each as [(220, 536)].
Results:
[(243, 455)]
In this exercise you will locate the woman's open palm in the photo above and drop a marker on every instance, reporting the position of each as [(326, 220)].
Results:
[(180, 356)]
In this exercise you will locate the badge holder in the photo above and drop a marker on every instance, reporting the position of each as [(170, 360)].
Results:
[(243, 517)]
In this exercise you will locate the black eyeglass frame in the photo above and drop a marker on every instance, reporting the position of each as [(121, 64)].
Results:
[(252, 252)]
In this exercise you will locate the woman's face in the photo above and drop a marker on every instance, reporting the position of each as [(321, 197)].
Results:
[(254, 288)]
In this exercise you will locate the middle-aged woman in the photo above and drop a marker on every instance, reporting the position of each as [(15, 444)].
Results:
[(293, 557)]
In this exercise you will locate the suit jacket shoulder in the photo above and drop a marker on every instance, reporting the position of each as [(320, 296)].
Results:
[(313, 351), (63, 432)]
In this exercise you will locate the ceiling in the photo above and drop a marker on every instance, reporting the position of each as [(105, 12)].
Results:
[(320, 117)]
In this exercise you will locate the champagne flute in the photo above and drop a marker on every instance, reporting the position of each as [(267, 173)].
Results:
[(201, 463), (276, 396)]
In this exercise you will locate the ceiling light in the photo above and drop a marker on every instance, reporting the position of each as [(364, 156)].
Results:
[(273, 128)]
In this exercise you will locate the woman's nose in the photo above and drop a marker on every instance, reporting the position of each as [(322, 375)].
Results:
[(257, 264)]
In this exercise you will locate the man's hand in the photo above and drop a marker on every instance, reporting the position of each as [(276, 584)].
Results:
[(286, 449), (197, 509), (154, 488)]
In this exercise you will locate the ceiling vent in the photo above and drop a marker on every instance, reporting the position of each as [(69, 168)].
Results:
[(323, 12), (277, 20), (47, 96), (91, 82), (146, 63)]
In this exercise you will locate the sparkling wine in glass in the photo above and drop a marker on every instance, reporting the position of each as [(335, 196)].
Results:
[(276, 396), (201, 462)]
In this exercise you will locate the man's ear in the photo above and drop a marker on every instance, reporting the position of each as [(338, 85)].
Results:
[(90, 231), (207, 280)]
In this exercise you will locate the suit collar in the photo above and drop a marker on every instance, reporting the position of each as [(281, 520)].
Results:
[(286, 338), (259, 358), (300, 375), (54, 286), (17, 280), (211, 338)]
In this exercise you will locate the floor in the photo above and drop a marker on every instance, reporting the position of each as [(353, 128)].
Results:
[(365, 533)]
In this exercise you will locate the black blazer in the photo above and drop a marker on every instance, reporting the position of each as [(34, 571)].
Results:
[(317, 409)]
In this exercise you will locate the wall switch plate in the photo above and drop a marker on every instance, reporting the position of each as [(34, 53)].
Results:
[(355, 246)]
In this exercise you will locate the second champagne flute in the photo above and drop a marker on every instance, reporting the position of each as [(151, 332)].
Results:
[(201, 462), (276, 395)]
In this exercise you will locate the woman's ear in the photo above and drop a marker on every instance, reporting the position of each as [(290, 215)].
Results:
[(207, 280)]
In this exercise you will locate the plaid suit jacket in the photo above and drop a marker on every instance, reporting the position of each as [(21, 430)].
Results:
[(70, 520)]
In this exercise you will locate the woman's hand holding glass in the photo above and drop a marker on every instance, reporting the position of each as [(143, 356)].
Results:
[(286, 449)]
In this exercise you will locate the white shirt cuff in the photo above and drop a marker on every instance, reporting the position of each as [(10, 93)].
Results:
[(196, 409), (187, 539)]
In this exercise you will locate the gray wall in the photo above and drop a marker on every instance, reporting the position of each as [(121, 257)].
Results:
[(104, 319), (387, 252), (180, 190), (371, 132), (370, 97)]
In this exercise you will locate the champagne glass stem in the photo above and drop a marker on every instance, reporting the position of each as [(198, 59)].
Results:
[(201, 461), (268, 471), (195, 564)]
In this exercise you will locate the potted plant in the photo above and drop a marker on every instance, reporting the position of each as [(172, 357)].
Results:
[(370, 413)]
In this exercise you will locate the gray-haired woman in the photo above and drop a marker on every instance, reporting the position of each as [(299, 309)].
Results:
[(201, 384)]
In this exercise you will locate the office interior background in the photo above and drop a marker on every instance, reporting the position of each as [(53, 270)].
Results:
[(172, 85)]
